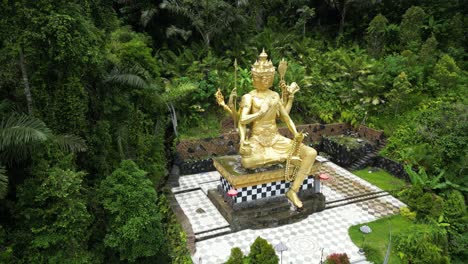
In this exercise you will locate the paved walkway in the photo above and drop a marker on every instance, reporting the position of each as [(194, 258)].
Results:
[(327, 230)]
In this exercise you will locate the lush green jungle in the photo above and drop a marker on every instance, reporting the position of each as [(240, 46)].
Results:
[(94, 95)]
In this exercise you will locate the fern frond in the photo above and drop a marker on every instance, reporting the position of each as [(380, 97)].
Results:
[(3, 182), (21, 129), (70, 143), (135, 76), (147, 15)]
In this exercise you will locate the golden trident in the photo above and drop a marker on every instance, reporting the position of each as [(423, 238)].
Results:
[(282, 67), (231, 107), (233, 97)]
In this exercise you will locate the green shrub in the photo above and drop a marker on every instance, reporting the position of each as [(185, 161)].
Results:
[(373, 254), (446, 73), (426, 204), (55, 219), (434, 138), (457, 219), (261, 252), (407, 213), (236, 256), (422, 244), (455, 211), (376, 35), (411, 26), (458, 247), (337, 258), (133, 221), (176, 246)]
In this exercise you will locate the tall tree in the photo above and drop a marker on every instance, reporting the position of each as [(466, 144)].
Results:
[(134, 224), (411, 26), (376, 34), (52, 212), (306, 13)]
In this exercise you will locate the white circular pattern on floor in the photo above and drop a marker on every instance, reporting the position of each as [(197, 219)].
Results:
[(305, 246)]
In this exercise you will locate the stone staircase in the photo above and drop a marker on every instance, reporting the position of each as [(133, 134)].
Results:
[(364, 161)]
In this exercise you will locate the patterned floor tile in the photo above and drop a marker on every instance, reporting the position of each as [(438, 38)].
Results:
[(202, 214), (193, 181), (209, 186), (326, 231)]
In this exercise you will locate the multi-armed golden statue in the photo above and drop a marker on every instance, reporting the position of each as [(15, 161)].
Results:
[(265, 146)]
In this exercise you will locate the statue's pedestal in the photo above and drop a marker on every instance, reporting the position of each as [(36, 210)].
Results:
[(260, 201), (252, 185)]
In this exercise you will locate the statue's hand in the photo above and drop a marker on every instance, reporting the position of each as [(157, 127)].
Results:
[(219, 97), (234, 92), (300, 136), (283, 85), (293, 88)]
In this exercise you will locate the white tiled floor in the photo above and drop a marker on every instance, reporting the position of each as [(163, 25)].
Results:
[(202, 214), (327, 229), (305, 239), (192, 181), (209, 185)]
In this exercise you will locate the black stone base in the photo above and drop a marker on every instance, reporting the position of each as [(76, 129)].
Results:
[(267, 212)]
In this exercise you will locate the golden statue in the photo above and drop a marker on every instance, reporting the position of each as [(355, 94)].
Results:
[(265, 146)]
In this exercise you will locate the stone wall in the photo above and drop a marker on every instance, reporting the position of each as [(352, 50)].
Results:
[(228, 143), (391, 166), (194, 156), (195, 166), (344, 155), (370, 134)]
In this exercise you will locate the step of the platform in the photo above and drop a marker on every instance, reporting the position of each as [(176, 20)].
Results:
[(355, 199), (209, 185), (214, 233), (202, 214), (193, 181)]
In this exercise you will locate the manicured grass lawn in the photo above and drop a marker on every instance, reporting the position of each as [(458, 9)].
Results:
[(378, 239), (380, 178)]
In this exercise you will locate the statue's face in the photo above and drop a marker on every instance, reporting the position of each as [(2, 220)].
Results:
[(263, 82)]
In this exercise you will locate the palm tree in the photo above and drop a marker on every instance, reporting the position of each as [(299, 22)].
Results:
[(20, 134), (3, 182), (209, 17), (139, 78)]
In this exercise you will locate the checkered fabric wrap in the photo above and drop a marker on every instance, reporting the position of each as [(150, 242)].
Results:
[(265, 190)]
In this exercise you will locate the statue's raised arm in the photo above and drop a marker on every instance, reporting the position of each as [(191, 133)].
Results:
[(287, 91), (231, 107)]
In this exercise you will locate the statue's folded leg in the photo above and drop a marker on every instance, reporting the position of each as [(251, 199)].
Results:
[(308, 156)]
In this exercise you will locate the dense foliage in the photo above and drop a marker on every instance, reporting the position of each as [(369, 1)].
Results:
[(88, 85), (133, 220), (260, 252)]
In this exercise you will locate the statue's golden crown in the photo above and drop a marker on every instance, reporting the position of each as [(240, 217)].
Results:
[(263, 66)]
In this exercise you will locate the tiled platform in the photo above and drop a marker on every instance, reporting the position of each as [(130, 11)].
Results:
[(188, 182), (202, 214), (327, 230)]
